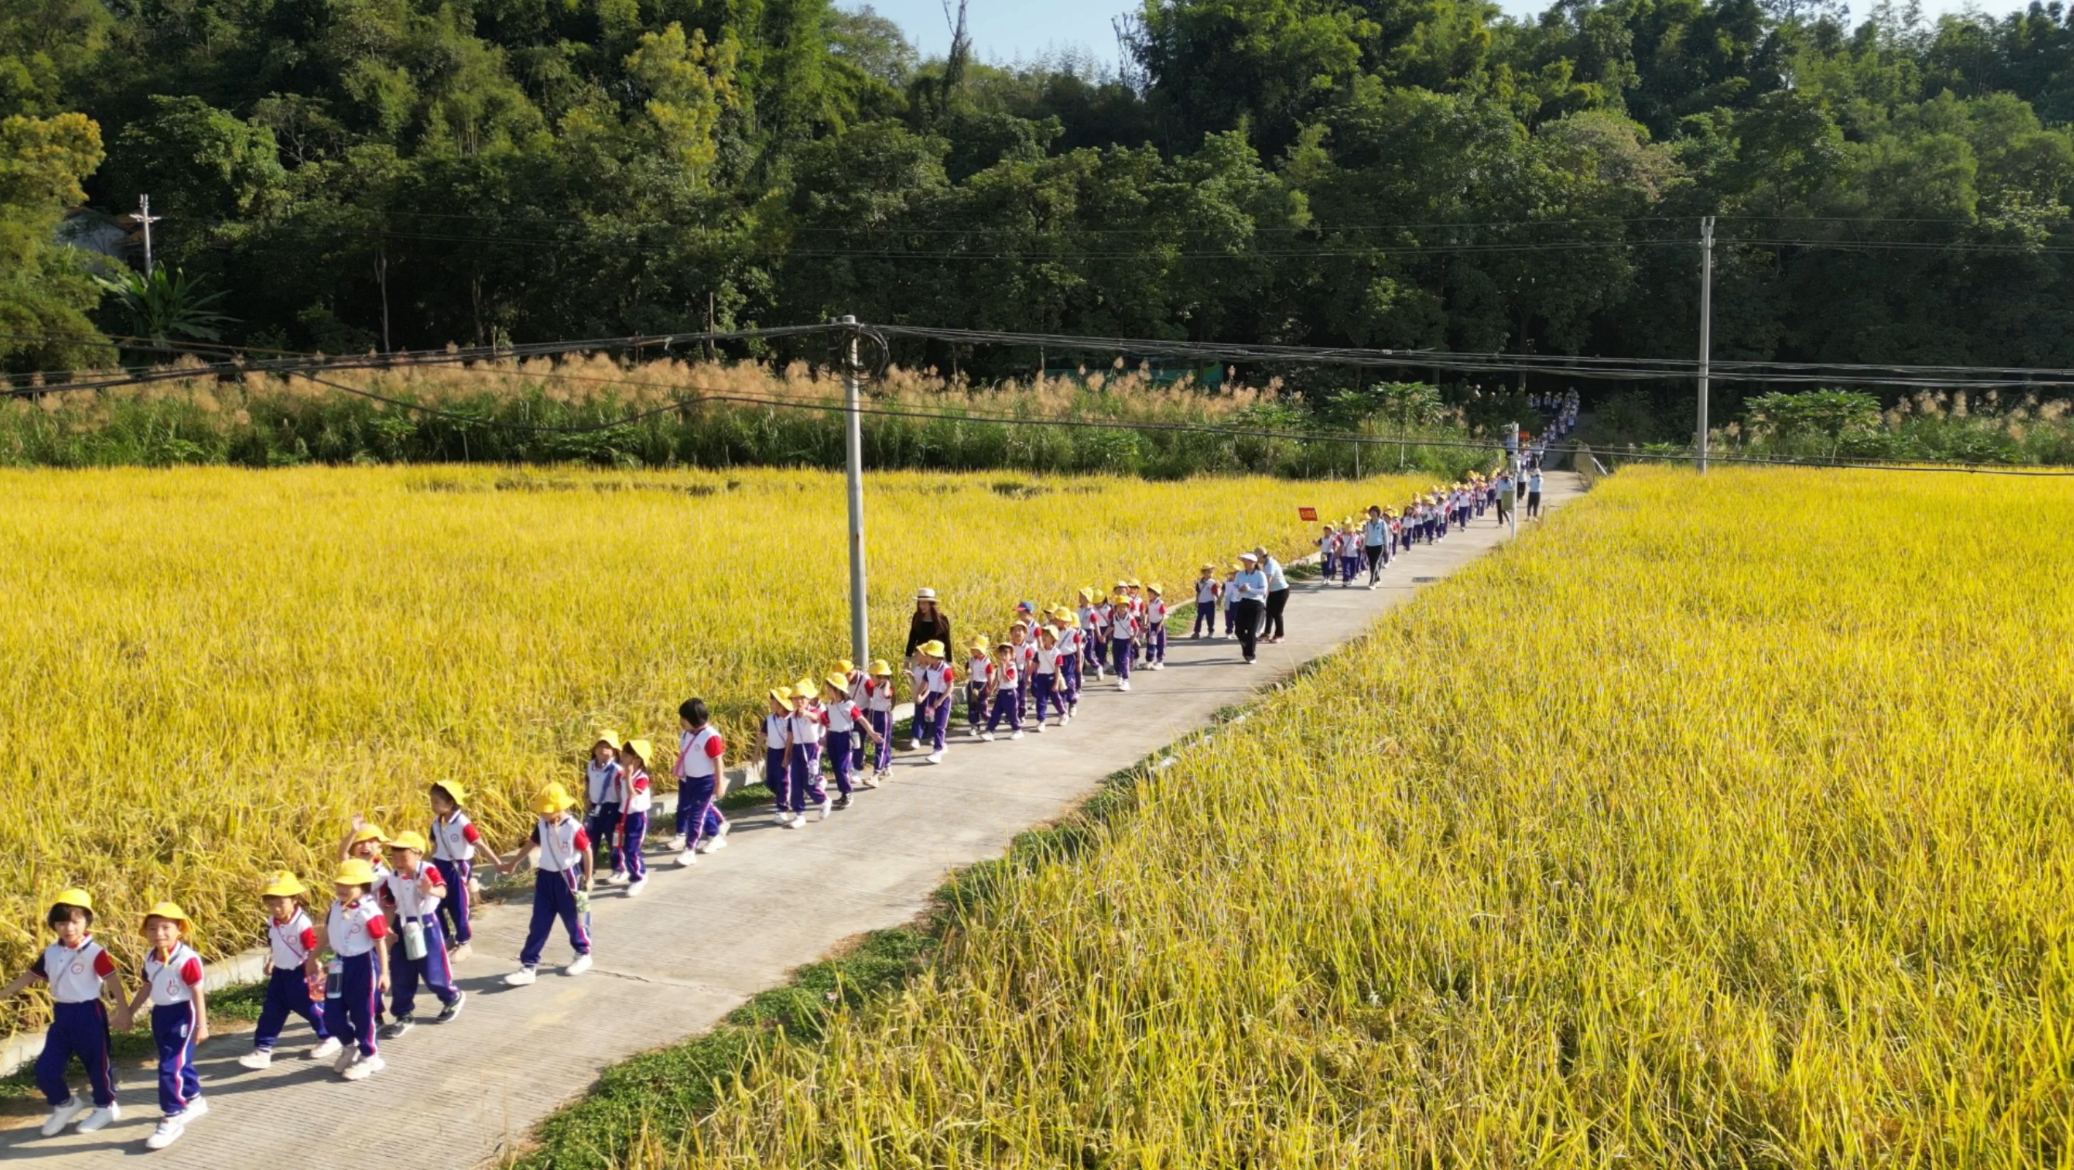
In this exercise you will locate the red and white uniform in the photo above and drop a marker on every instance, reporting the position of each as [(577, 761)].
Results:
[(563, 844), (640, 791), (843, 716), (172, 979), (416, 896), (454, 837), (74, 974), (878, 694), (353, 928), (699, 753), (291, 943)]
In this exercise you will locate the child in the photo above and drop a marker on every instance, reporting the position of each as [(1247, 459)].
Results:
[(1231, 599), (1004, 687), (291, 941), (604, 788), (1123, 632), (633, 819), (855, 682), (1129, 589), (846, 726), (414, 890), (1349, 553), (1209, 591), (1046, 670), (699, 753), (977, 667), (1094, 631), (1022, 638), (364, 841), (1155, 627), (804, 733), (455, 842), (878, 708), (82, 983), (561, 883), (179, 1020), (359, 969), (776, 712), (934, 680), (1070, 650), (1328, 551)]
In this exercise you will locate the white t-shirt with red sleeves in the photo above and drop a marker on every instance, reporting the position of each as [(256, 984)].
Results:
[(172, 978), (699, 753), (563, 844), (806, 728), (454, 837), (640, 791), (354, 927), (414, 896), (74, 973), (878, 695), (844, 716), (1004, 674), (976, 667), (291, 942)]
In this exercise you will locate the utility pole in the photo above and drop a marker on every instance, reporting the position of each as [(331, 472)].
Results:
[(145, 218), (853, 443), (712, 353), (381, 274), (1706, 327)]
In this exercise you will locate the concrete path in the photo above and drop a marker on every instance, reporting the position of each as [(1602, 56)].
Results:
[(700, 941)]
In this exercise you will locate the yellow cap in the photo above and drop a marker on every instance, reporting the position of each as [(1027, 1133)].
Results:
[(453, 789), (781, 694), (1004, 645), (1152, 587), (367, 833), (843, 666), (1209, 568), (837, 682), (932, 648), (1087, 593), (552, 799), (805, 689), (880, 669), (171, 912), (353, 872), (409, 839), (643, 749), (1133, 582), (1122, 585), (283, 885), (609, 738), (75, 897)]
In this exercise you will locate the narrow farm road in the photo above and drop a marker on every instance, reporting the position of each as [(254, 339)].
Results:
[(700, 941)]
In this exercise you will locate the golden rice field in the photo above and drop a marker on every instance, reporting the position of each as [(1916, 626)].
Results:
[(204, 672), (1717, 823)]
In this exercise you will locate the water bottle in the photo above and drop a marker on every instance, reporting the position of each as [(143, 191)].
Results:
[(335, 978), (413, 939)]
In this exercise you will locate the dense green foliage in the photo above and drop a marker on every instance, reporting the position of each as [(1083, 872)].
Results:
[(1308, 171)]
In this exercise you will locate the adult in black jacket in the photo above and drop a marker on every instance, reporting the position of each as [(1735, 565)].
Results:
[(929, 624)]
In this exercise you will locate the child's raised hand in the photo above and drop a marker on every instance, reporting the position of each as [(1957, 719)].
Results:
[(359, 822)]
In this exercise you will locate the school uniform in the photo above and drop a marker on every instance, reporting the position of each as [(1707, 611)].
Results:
[(1123, 634), (290, 944), (878, 709), (1045, 668), (698, 781), (78, 1022), (1155, 629), (933, 702), (860, 684), (557, 876), (454, 839), (352, 1000), (977, 669), (416, 901), (1069, 667), (803, 760), (174, 1021), (1007, 702), (633, 825), (605, 785), (1094, 632), (843, 719), (1207, 592), (775, 772), (1349, 557), (1025, 655)]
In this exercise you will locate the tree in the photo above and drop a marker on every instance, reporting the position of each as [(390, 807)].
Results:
[(45, 291)]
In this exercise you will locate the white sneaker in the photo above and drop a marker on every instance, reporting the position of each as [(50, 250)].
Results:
[(635, 887), (360, 1070), (1017, 734), (934, 757), (784, 818), (578, 965), (1123, 684), (688, 857), (257, 1058), (827, 806), (616, 878), (796, 822), (345, 1060), (168, 1131), (986, 737), (1039, 728), (714, 844), (523, 977), (199, 1107), (62, 1115), (677, 843), (328, 1049), (100, 1118)]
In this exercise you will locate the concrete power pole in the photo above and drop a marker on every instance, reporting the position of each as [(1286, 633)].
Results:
[(1706, 328), (146, 219), (853, 444)]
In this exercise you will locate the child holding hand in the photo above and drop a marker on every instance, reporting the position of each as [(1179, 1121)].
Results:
[(179, 1020), (291, 946), (83, 983)]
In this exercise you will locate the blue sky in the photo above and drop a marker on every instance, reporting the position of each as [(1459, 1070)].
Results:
[(1008, 30)]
